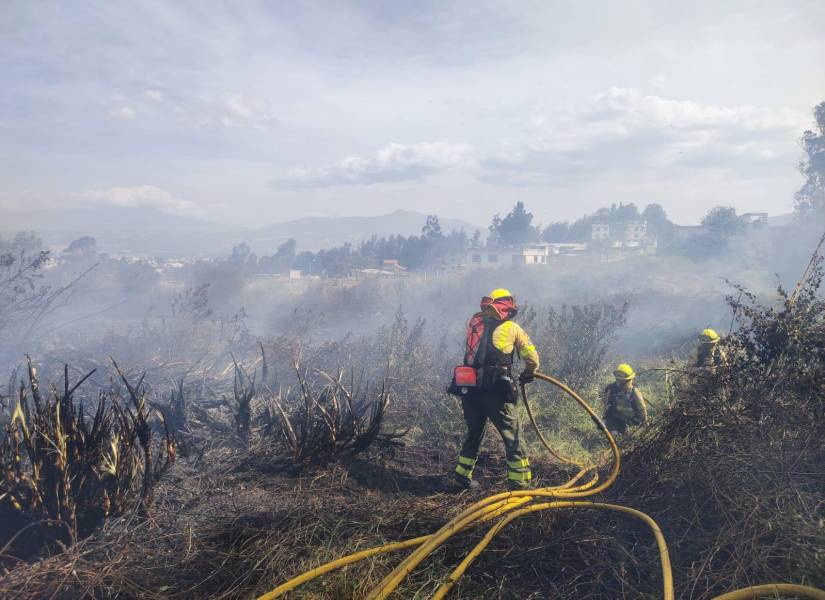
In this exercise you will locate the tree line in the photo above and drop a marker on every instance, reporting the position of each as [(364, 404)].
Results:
[(22, 258), (433, 248)]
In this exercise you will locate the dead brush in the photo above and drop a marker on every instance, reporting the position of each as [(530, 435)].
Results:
[(320, 423), (734, 472), (243, 393), (175, 417), (575, 339), (63, 471)]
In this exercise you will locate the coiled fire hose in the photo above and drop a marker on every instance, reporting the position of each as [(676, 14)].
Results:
[(511, 505)]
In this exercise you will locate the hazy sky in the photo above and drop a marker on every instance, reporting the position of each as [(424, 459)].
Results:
[(260, 112)]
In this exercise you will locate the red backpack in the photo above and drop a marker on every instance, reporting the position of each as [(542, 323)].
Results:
[(467, 377), (470, 375)]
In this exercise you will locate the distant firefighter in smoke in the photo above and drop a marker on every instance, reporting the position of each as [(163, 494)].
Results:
[(625, 405), (709, 356)]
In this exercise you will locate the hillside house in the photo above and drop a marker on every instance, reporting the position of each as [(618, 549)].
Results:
[(557, 248), (635, 231), (754, 220), (600, 231), (528, 254), (392, 265), (632, 235)]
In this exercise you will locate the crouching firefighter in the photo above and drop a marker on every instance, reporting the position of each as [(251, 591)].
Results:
[(488, 389), (709, 356), (625, 405)]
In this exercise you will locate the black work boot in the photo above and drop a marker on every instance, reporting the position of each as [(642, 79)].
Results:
[(517, 486), (464, 482)]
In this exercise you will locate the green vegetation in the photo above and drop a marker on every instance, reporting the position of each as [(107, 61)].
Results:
[(810, 199)]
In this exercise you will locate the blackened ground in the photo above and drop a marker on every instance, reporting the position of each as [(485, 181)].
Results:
[(237, 523)]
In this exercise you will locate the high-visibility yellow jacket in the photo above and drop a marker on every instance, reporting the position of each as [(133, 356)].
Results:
[(509, 336)]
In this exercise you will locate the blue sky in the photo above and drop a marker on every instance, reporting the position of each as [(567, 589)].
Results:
[(254, 113)]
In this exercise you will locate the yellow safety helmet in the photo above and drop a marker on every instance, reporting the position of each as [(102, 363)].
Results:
[(500, 293), (624, 372), (709, 336)]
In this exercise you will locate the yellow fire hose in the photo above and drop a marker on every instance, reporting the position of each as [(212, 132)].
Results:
[(540, 435), (495, 511), (394, 579), (468, 560), (773, 590), (509, 503), (483, 510)]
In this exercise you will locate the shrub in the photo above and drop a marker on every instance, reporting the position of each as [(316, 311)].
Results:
[(243, 392), (65, 471), (574, 339), (323, 421), (735, 471)]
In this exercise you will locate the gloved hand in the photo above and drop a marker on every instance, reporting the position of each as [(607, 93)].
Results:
[(526, 377)]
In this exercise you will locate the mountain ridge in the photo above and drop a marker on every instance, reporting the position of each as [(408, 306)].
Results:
[(151, 232)]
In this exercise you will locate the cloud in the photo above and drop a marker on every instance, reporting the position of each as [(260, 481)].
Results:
[(625, 131), (235, 110), (391, 164), (127, 113), (205, 112), (149, 196), (208, 111)]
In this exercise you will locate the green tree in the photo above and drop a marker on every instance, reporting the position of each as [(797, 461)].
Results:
[(655, 216), (432, 228), (722, 222), (624, 213), (494, 239), (243, 259), (556, 232), (657, 222), (515, 228), (281, 261), (811, 196)]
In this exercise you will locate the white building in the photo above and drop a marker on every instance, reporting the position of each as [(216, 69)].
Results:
[(600, 231), (635, 231), (556, 248), (635, 234), (754, 219), (528, 254), (632, 235)]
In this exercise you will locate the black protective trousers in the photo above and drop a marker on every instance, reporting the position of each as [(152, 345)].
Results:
[(490, 404)]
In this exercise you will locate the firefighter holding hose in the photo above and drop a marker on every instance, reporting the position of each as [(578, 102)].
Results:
[(493, 339)]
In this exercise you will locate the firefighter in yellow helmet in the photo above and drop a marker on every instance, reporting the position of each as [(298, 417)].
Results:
[(624, 404), (493, 340), (709, 355)]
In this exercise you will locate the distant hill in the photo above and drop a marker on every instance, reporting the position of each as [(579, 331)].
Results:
[(314, 233), (125, 230), (148, 231)]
